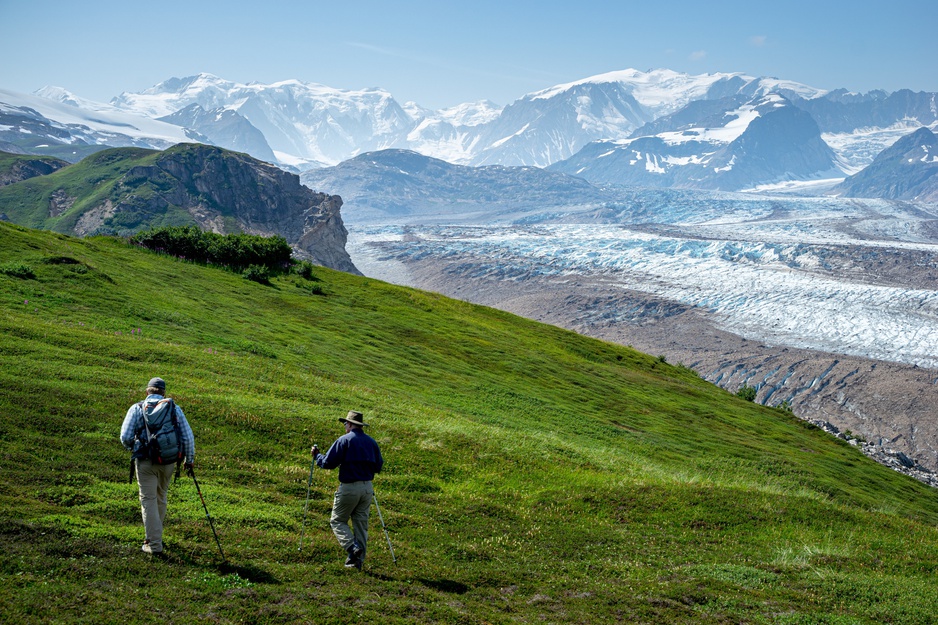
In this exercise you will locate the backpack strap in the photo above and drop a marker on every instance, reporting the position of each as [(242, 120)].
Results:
[(181, 458), (143, 411), (172, 411)]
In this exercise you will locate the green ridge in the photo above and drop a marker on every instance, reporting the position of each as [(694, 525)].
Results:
[(533, 475), (85, 184)]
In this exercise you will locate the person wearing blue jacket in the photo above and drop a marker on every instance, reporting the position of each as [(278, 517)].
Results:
[(358, 458)]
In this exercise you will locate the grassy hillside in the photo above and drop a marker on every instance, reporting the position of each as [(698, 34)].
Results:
[(148, 198), (533, 475), (79, 186)]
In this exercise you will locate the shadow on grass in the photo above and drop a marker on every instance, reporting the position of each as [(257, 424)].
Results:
[(250, 573), (445, 585)]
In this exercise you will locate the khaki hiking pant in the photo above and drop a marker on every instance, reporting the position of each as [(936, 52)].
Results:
[(352, 501), (154, 481)]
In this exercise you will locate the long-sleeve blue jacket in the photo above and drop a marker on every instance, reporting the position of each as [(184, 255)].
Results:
[(356, 454), (134, 425)]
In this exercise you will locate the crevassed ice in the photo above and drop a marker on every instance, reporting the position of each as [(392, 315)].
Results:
[(758, 290)]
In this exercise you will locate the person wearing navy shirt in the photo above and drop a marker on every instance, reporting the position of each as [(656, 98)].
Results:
[(358, 458)]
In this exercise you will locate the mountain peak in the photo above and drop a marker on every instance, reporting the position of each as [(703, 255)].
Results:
[(907, 170), (665, 90), (179, 85), (58, 94)]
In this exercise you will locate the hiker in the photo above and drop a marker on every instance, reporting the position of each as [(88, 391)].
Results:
[(358, 457), (159, 418)]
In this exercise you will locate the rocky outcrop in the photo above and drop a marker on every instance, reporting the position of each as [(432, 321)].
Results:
[(225, 192), (16, 168), (895, 460)]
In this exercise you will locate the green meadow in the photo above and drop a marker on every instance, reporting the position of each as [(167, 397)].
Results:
[(532, 475)]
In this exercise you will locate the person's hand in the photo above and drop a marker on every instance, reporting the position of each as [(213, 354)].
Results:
[(315, 450), (189, 469)]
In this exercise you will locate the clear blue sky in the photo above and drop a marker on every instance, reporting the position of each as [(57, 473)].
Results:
[(440, 53)]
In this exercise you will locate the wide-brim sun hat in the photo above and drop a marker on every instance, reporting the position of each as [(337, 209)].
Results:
[(353, 417)]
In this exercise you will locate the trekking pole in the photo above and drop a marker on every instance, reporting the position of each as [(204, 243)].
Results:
[(208, 516), (309, 484), (393, 559)]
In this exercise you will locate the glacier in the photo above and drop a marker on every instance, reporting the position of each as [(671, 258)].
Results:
[(770, 269)]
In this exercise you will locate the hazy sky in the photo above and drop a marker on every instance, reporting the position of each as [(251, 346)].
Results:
[(440, 53)]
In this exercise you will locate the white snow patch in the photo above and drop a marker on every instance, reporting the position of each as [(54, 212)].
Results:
[(728, 166), (680, 161), (298, 162), (509, 137), (471, 113), (652, 166)]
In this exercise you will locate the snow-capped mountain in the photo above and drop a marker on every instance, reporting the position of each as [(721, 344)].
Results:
[(305, 120), (841, 111), (727, 144), (663, 91), (860, 126), (307, 125), (330, 125), (224, 128), (551, 125), (908, 170)]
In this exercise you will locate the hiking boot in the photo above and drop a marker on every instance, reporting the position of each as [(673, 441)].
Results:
[(355, 556), (149, 549)]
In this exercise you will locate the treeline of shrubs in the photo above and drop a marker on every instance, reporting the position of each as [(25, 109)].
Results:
[(255, 256)]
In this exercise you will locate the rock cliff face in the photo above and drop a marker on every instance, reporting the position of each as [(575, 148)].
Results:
[(225, 192), (14, 168)]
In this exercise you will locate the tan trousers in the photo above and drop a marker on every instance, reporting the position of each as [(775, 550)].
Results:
[(154, 481), (352, 501)]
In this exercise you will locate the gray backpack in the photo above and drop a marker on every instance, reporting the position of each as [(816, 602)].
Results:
[(163, 435)]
